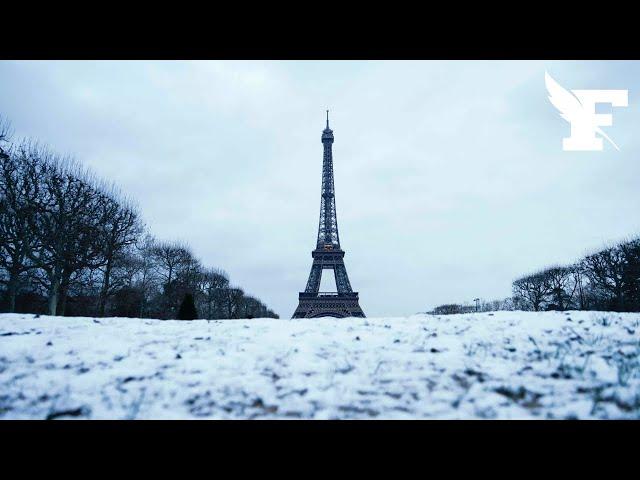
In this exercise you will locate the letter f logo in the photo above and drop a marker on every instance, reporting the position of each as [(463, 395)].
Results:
[(578, 107)]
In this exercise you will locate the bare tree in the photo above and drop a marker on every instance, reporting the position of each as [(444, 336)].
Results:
[(5, 133), (171, 257), (172, 260), (20, 170), (252, 307), (235, 303), (561, 285), (148, 271), (631, 252), (213, 284), (67, 226), (606, 272), (190, 275), (532, 290), (580, 282), (496, 305), (119, 228)]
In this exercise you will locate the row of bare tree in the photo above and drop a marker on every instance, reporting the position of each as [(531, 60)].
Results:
[(481, 306), (71, 244), (605, 280)]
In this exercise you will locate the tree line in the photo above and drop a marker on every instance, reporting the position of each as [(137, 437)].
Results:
[(481, 306), (72, 244), (608, 280)]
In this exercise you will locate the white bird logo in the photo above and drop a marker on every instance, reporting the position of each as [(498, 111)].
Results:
[(572, 109)]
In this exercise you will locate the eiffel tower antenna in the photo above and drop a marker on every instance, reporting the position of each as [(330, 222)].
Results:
[(328, 255)]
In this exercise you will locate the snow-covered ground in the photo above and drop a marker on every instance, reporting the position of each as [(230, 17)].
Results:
[(489, 365)]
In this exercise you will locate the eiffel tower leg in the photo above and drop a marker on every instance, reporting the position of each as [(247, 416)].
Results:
[(342, 279), (313, 284)]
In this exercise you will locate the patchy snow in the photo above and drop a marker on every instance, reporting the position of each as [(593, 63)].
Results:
[(488, 365)]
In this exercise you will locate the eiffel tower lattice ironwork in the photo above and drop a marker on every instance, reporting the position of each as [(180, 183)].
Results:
[(328, 255)]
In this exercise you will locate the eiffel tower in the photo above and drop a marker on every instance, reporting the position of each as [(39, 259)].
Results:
[(328, 255)]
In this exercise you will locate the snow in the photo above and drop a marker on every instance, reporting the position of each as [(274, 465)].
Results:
[(488, 365)]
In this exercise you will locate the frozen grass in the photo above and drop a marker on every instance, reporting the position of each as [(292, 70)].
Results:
[(489, 365)]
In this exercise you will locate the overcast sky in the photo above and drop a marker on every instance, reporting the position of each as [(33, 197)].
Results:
[(450, 176)]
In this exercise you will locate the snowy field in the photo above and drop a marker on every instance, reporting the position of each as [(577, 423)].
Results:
[(490, 365)]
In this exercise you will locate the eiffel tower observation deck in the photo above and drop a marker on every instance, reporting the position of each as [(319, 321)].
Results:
[(328, 255)]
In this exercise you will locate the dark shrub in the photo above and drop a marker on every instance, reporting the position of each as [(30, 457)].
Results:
[(187, 309)]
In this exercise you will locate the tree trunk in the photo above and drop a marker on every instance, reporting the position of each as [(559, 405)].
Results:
[(620, 300), (12, 291), (560, 299), (105, 289), (580, 293), (62, 302), (53, 296), (142, 304), (62, 296)]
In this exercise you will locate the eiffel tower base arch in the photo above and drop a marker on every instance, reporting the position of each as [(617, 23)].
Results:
[(338, 306)]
